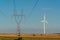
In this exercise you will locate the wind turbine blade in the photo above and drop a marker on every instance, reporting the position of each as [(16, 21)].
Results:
[(46, 22), (42, 21)]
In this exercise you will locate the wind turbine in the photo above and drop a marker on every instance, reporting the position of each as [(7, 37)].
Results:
[(44, 21)]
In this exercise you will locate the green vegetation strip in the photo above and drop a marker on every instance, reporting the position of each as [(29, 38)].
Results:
[(28, 38)]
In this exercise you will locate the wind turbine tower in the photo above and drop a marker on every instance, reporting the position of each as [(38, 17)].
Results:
[(44, 21)]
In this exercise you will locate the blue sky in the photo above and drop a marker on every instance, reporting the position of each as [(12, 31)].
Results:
[(30, 24)]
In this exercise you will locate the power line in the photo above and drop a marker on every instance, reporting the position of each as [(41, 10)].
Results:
[(33, 8), (29, 15), (14, 7)]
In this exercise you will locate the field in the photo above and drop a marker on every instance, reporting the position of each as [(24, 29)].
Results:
[(30, 37)]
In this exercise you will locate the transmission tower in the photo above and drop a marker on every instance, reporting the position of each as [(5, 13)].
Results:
[(18, 19)]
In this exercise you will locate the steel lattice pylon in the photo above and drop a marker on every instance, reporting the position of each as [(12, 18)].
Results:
[(18, 19)]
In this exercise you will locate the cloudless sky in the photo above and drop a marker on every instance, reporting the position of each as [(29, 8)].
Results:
[(30, 24)]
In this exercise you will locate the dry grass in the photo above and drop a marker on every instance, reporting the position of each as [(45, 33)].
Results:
[(30, 36), (33, 35)]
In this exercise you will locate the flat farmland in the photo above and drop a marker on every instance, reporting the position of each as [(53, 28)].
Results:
[(30, 36)]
